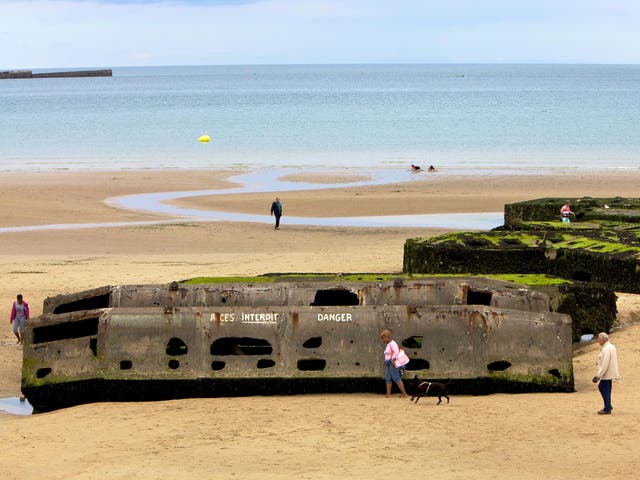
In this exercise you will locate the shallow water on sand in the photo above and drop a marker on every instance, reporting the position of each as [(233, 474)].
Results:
[(271, 180), (15, 406)]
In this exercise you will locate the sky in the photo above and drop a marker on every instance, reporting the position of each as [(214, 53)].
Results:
[(112, 33)]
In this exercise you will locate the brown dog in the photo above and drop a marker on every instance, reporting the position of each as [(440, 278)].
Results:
[(422, 388)]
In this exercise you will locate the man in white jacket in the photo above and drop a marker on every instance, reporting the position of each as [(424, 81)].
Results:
[(607, 371)]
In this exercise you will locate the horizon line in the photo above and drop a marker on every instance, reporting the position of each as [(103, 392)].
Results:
[(301, 64)]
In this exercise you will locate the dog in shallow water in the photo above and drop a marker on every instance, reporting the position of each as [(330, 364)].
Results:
[(422, 388)]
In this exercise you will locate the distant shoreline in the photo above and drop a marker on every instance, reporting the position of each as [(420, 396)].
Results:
[(25, 74)]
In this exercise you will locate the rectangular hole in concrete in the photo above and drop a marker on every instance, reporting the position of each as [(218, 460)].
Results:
[(66, 330), (312, 364), (91, 303), (335, 297), (475, 297)]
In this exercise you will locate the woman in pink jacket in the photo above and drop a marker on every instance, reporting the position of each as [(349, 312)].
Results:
[(19, 314), (394, 361)]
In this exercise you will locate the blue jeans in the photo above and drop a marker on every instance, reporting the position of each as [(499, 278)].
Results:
[(391, 373), (605, 390)]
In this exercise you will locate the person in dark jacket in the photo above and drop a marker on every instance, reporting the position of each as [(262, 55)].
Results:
[(276, 211)]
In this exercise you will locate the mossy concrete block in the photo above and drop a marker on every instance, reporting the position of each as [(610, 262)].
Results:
[(142, 342), (593, 256), (592, 307), (586, 209)]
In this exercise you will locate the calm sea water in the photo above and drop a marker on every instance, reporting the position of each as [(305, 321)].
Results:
[(457, 117)]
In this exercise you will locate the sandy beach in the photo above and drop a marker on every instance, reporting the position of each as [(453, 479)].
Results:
[(528, 436)]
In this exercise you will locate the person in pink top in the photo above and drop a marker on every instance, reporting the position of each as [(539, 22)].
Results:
[(19, 314), (394, 360), (565, 212)]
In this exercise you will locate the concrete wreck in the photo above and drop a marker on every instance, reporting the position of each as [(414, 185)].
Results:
[(149, 342)]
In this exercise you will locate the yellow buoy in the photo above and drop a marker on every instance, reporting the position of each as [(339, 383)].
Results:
[(204, 139)]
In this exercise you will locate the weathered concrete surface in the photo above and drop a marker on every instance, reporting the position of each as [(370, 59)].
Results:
[(433, 291), (170, 341)]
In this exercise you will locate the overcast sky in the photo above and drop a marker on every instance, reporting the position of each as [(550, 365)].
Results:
[(111, 33)]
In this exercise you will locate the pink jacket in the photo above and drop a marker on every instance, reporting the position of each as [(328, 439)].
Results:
[(13, 311), (391, 351)]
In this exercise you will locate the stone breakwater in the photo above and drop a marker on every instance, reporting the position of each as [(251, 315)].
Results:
[(16, 74)]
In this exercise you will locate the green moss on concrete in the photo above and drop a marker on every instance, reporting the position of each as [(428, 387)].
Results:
[(601, 246), (201, 280), (34, 381), (603, 242), (530, 279), (608, 256), (586, 208), (522, 279)]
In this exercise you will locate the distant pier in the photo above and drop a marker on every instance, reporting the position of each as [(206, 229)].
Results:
[(13, 74)]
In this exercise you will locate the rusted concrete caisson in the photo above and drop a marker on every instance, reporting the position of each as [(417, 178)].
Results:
[(148, 342)]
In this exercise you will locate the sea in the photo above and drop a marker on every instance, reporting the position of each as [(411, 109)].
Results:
[(457, 117)]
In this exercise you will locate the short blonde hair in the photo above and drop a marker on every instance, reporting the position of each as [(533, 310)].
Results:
[(385, 333)]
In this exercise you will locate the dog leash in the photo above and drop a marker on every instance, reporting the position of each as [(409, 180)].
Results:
[(428, 387)]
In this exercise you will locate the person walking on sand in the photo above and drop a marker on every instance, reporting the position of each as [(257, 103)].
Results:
[(19, 314), (565, 211), (607, 371), (394, 361), (276, 211)]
